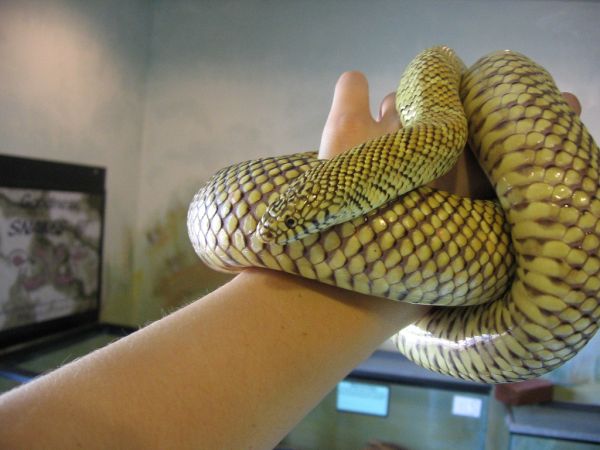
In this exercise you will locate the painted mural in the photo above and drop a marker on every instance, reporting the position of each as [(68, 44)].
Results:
[(49, 254)]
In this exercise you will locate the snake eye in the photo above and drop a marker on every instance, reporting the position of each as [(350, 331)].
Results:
[(290, 222)]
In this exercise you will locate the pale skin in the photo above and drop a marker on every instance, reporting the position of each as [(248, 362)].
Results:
[(236, 369)]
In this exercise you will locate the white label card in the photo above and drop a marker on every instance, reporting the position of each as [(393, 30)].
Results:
[(466, 406)]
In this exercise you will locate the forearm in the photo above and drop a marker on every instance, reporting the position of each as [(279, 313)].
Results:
[(236, 369)]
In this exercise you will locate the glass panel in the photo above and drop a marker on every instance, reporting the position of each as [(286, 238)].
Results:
[(419, 418), (7, 385), (50, 358)]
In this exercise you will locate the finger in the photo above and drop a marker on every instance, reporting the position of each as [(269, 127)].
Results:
[(388, 120), (350, 122), (387, 106), (351, 96), (349, 118), (573, 101)]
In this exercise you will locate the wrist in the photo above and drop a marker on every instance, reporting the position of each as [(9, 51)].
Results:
[(376, 317)]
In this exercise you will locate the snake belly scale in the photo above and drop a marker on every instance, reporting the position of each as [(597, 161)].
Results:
[(516, 283)]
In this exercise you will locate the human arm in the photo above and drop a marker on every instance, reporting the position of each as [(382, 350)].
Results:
[(236, 369)]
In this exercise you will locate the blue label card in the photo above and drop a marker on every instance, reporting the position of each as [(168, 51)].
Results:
[(363, 398)]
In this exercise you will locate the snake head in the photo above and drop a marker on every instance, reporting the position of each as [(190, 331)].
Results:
[(281, 223), (298, 212)]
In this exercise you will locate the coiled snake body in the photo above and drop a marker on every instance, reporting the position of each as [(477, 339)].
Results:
[(523, 273)]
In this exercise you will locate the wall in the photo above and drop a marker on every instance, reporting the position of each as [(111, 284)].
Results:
[(72, 89), (232, 80)]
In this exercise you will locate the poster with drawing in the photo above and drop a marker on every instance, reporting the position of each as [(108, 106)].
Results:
[(49, 254)]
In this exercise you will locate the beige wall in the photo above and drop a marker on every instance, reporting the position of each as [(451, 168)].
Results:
[(232, 80)]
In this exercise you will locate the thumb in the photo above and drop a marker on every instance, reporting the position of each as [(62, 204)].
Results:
[(350, 122)]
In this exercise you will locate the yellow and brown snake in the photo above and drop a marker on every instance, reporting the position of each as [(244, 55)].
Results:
[(515, 282)]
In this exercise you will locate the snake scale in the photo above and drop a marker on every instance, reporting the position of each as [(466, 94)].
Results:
[(515, 282)]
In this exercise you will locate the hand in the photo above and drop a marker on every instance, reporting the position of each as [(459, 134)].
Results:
[(350, 123), (573, 101)]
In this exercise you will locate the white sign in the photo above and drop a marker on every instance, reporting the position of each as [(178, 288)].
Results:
[(466, 406)]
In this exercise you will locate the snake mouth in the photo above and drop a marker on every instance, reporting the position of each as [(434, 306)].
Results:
[(271, 232), (265, 234)]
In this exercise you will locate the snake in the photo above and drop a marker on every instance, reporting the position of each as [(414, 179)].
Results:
[(514, 282)]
